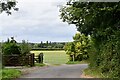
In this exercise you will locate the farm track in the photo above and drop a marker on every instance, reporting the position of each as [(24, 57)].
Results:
[(62, 71)]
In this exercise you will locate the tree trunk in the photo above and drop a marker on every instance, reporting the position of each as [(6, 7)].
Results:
[(73, 58)]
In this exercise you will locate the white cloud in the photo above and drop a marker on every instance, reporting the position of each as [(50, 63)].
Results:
[(35, 21)]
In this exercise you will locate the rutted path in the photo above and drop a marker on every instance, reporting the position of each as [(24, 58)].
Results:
[(63, 71)]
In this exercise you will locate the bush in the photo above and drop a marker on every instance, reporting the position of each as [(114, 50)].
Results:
[(11, 48), (78, 49), (106, 57), (110, 64), (25, 48)]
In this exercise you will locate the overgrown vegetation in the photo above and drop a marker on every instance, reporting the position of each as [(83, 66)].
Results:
[(77, 50), (95, 73), (25, 47), (101, 20), (11, 47), (78, 62), (40, 64), (10, 73)]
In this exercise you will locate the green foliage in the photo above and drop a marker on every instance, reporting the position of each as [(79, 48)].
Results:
[(25, 48), (92, 17), (101, 20), (40, 64), (10, 73), (11, 48), (71, 62), (48, 45), (78, 48), (109, 64), (93, 72), (78, 62), (92, 54), (47, 49), (7, 6)]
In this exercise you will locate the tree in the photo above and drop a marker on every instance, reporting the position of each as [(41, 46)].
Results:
[(41, 44), (91, 17), (7, 6), (11, 48), (70, 50), (101, 20), (78, 48), (82, 44), (25, 48), (47, 42)]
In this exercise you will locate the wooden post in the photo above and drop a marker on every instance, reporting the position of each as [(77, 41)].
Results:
[(32, 60), (73, 58), (40, 58), (41, 54)]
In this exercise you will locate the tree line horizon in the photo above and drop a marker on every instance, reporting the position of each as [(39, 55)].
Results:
[(47, 44)]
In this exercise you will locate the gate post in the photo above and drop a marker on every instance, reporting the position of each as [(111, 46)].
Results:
[(32, 60), (40, 58)]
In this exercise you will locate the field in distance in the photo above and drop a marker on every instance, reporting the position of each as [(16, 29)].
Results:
[(53, 57)]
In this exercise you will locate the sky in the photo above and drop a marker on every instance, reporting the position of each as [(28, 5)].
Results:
[(36, 21)]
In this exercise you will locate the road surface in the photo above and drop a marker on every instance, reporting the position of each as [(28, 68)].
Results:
[(63, 71)]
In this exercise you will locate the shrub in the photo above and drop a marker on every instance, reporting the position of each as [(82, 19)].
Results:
[(11, 48), (25, 48)]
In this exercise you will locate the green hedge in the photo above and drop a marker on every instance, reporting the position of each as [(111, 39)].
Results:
[(49, 49)]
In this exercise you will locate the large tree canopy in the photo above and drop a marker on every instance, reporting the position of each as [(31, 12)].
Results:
[(92, 17), (101, 20)]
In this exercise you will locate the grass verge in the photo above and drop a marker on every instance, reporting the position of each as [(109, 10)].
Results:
[(95, 73), (71, 62), (10, 73), (40, 64), (77, 62)]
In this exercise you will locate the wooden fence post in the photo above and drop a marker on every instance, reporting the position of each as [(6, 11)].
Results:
[(40, 58), (32, 60)]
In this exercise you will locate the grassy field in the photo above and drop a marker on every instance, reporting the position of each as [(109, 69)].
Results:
[(53, 57)]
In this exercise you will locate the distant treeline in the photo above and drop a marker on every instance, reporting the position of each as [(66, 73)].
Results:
[(47, 45), (48, 49), (11, 46)]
